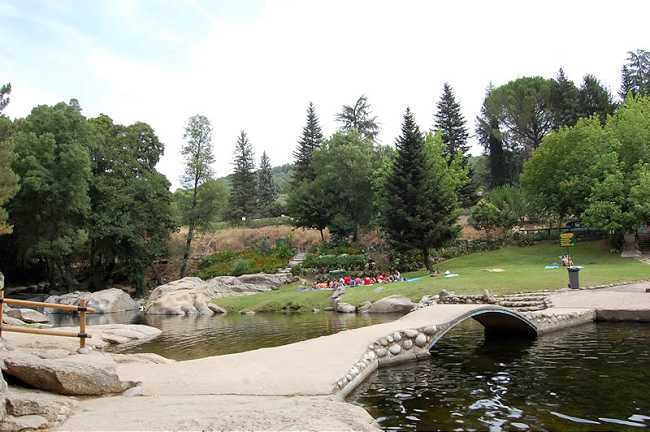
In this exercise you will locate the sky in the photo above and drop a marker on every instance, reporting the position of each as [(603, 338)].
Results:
[(255, 65)]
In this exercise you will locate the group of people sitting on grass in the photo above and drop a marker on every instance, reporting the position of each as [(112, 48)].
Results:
[(350, 281)]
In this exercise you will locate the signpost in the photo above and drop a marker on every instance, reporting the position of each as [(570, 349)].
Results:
[(568, 240)]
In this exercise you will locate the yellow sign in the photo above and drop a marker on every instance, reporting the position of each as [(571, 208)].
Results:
[(567, 239)]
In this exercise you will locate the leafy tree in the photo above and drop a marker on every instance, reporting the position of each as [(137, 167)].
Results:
[(636, 74), (346, 162), (594, 98), (8, 179), (563, 171), (485, 216), (243, 196), (130, 218), (309, 205), (512, 203), (5, 90), (311, 140), (525, 111), (359, 116), (564, 101), (422, 203), (491, 138), (212, 197), (267, 192), (198, 155), (49, 211), (450, 122)]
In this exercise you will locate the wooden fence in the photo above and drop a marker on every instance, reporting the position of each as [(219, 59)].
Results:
[(82, 309)]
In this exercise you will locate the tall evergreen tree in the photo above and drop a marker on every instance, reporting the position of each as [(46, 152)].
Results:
[(199, 156), (627, 83), (594, 98), (421, 201), (637, 70), (359, 116), (450, 122), (564, 101), (311, 139), (243, 195), (491, 138), (267, 192)]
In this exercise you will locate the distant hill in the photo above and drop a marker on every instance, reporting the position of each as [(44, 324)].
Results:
[(281, 178)]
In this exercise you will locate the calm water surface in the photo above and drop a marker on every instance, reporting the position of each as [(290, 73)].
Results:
[(591, 378), (185, 338)]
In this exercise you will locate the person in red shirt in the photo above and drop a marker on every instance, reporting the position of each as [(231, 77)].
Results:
[(346, 280), (366, 280)]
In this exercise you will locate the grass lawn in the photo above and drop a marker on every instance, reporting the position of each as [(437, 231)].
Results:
[(523, 271)]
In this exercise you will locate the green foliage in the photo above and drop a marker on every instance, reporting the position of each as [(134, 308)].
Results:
[(243, 194), (359, 117), (500, 166), (512, 203), (310, 141), (131, 211), (8, 179), (594, 99), (635, 75), (212, 198), (246, 262), (267, 192), (50, 210), (564, 101), (485, 216), (5, 91), (422, 199), (326, 263), (451, 123), (564, 169), (465, 247)]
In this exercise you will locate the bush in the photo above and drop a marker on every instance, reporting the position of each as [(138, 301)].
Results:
[(465, 247), (259, 260)]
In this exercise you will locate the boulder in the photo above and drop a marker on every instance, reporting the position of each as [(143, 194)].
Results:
[(25, 423), (365, 307), (89, 374), (28, 315), (13, 321), (345, 308), (27, 402), (192, 295), (105, 301), (392, 304)]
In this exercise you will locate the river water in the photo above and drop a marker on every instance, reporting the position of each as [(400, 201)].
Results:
[(595, 377)]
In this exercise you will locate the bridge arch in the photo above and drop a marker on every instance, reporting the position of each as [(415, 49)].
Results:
[(496, 320)]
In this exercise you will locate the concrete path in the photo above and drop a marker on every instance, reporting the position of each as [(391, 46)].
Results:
[(252, 389)]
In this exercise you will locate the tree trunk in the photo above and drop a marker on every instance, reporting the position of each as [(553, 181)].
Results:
[(425, 257), (322, 236), (188, 248)]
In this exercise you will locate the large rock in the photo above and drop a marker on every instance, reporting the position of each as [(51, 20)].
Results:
[(392, 304), (345, 308), (27, 402), (105, 301), (92, 374), (28, 315), (192, 295)]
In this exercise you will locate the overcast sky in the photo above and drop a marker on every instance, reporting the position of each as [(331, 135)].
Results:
[(254, 65)]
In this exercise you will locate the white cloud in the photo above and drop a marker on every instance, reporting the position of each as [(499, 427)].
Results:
[(258, 73)]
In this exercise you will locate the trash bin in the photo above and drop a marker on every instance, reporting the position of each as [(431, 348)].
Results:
[(574, 277)]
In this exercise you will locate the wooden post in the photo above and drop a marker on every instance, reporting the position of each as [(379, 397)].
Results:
[(82, 323)]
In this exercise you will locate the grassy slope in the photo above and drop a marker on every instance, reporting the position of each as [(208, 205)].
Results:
[(524, 271)]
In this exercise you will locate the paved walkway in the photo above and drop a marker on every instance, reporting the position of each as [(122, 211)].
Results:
[(304, 375)]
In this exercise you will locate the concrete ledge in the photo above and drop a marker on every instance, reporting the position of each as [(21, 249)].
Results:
[(638, 315)]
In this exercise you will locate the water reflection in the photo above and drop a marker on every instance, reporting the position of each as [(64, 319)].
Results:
[(593, 377)]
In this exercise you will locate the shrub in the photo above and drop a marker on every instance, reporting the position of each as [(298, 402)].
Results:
[(327, 263), (241, 266), (260, 260)]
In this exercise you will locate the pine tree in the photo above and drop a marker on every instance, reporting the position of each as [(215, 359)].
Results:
[(243, 195), (198, 157), (491, 138), (421, 200), (594, 98), (311, 139), (359, 116), (638, 70), (564, 101), (627, 83), (267, 192), (450, 121)]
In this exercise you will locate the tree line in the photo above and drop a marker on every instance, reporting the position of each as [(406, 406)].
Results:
[(82, 195)]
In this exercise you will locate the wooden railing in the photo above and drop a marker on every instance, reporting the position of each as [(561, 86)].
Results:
[(82, 309)]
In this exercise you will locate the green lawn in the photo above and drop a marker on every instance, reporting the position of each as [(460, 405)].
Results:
[(523, 271)]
